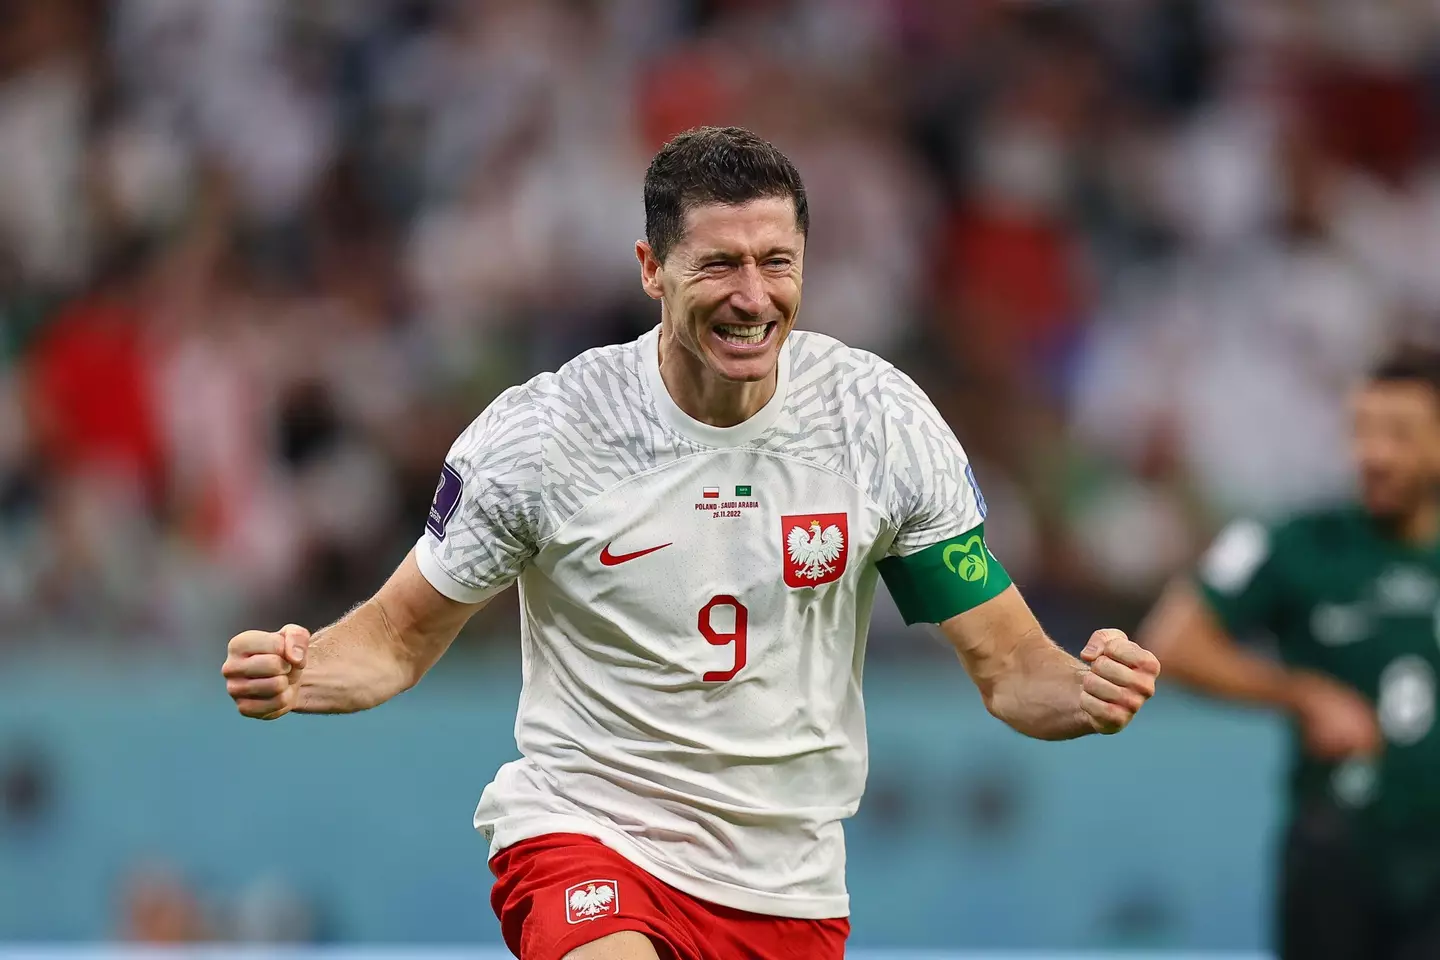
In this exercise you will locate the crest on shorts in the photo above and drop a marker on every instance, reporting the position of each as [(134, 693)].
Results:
[(592, 900), (815, 546)]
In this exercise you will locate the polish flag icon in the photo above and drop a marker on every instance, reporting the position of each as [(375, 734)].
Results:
[(712, 493)]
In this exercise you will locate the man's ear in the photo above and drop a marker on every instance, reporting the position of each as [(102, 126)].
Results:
[(650, 267)]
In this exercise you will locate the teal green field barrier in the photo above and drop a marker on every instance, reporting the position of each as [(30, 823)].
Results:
[(970, 836)]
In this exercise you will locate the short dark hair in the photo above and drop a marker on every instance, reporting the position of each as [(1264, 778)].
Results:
[(728, 165), (1409, 365)]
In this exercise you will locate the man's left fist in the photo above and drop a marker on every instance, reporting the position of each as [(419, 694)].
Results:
[(1121, 678)]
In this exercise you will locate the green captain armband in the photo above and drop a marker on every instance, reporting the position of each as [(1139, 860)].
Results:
[(952, 576)]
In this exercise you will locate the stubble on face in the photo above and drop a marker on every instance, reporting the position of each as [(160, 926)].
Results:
[(730, 291)]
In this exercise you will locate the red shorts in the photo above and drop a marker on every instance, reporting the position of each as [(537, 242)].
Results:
[(560, 891)]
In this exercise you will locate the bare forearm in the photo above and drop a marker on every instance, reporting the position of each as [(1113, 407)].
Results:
[(1199, 653), (1233, 674), (1039, 695), (1039, 689), (381, 648), (356, 663)]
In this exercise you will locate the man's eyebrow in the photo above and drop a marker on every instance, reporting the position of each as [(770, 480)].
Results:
[(704, 255)]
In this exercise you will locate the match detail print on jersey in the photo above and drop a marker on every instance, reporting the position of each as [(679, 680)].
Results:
[(934, 584), (816, 547)]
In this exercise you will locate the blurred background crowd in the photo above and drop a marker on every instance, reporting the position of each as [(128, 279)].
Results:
[(260, 262)]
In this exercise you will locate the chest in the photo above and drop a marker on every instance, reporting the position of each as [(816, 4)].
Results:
[(1357, 613), (730, 523), (1371, 619), (745, 569)]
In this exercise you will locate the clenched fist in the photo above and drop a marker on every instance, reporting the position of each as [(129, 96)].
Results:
[(1121, 678), (262, 670)]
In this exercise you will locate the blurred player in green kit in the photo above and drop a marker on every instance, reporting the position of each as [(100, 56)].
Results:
[(1352, 597)]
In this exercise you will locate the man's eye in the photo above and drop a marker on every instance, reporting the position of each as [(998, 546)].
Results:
[(715, 266), (777, 263)]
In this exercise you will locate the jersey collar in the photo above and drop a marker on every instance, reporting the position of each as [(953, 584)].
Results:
[(703, 433)]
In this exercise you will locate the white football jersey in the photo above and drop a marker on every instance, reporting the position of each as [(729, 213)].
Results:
[(694, 603)]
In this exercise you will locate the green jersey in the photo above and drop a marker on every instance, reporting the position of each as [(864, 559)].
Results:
[(1344, 598)]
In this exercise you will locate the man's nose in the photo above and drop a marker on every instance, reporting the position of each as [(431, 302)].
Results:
[(748, 297)]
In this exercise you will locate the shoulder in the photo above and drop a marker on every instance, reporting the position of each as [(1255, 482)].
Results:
[(1324, 528), (597, 368), (821, 360), (832, 381), (843, 396), (595, 381), (590, 387), (1247, 544), (579, 430), (856, 413), (509, 420)]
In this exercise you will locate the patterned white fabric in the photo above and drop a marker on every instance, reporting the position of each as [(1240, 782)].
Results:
[(590, 485)]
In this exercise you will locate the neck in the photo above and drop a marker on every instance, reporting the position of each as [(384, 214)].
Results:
[(705, 397), (1421, 526)]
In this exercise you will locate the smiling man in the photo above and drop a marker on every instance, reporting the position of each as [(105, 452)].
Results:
[(697, 522)]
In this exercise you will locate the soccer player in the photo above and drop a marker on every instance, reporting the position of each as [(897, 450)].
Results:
[(697, 521), (1352, 595)]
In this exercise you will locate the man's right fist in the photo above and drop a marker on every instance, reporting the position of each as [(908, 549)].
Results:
[(262, 670)]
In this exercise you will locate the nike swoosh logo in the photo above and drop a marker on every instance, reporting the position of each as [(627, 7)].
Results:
[(612, 559)]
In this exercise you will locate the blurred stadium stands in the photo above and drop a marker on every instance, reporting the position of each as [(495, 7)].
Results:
[(260, 261)]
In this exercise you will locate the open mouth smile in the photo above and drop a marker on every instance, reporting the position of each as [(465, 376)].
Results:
[(745, 334)]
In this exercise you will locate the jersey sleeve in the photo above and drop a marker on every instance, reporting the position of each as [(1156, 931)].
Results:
[(484, 524), (1239, 577), (939, 564)]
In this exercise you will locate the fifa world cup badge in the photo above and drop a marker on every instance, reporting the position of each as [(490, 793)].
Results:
[(447, 500)]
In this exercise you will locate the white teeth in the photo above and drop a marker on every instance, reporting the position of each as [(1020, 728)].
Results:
[(743, 333)]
